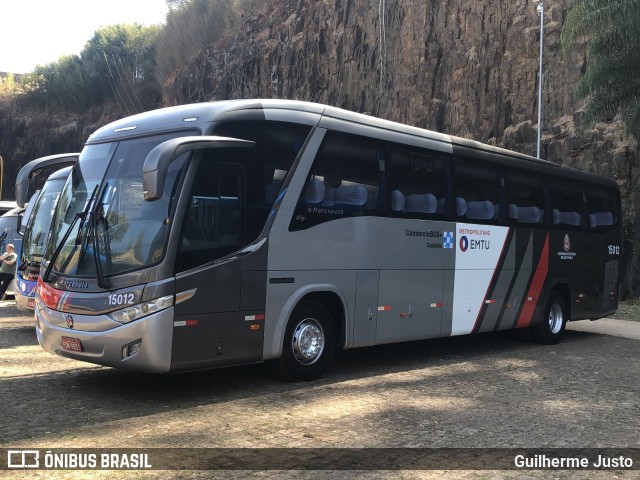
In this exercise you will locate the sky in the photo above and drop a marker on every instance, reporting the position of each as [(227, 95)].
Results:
[(38, 32)]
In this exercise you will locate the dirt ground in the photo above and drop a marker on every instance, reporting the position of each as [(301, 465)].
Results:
[(486, 391)]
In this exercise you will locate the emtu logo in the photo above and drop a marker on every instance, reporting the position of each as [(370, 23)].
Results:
[(464, 244)]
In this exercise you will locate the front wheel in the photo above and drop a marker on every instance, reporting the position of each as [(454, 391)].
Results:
[(551, 329), (309, 343)]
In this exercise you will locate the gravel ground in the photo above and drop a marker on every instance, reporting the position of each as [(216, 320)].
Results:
[(495, 390)]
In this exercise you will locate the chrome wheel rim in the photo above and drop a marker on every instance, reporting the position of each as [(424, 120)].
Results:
[(308, 341), (555, 319)]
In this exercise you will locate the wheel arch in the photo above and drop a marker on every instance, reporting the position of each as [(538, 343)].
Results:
[(336, 307), (564, 290), (326, 294), (550, 329)]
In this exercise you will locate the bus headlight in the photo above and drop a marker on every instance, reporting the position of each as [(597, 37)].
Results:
[(134, 312)]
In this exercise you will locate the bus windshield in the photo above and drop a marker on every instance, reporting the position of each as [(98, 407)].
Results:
[(35, 237), (102, 215)]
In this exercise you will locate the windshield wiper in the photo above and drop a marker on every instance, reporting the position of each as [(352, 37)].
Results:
[(102, 282), (93, 225), (54, 257), (60, 246)]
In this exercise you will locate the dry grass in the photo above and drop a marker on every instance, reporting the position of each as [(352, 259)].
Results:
[(629, 310)]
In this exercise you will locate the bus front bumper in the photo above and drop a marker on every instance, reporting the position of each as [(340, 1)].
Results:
[(24, 302), (25, 293), (143, 345)]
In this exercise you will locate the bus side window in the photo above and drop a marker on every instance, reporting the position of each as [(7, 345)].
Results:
[(602, 208), (526, 198), (479, 189), (568, 205), (213, 225), (266, 164), (418, 180), (345, 181)]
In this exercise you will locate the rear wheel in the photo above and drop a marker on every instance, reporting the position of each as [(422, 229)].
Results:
[(551, 329), (309, 343)]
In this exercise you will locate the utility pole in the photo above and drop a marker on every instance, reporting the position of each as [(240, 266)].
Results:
[(540, 10)]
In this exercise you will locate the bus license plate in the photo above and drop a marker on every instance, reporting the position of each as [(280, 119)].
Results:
[(31, 303), (72, 344)]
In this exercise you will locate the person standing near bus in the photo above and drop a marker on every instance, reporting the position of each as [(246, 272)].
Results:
[(7, 269)]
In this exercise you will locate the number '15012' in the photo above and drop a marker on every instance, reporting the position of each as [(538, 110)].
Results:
[(121, 299)]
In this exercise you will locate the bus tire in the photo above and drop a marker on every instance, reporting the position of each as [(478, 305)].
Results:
[(309, 343), (554, 320)]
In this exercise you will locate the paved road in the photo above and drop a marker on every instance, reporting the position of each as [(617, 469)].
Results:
[(493, 390), (608, 326)]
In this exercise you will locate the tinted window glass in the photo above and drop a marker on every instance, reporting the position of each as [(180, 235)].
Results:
[(567, 202), (35, 236), (418, 183), (478, 191), (602, 206), (266, 164), (213, 223), (345, 181), (526, 199), (235, 190)]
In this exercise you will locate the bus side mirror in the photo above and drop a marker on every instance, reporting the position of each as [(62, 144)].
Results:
[(156, 165), (21, 227), (23, 216)]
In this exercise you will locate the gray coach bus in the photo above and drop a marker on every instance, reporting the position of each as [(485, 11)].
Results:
[(243, 231), (34, 237), (38, 179)]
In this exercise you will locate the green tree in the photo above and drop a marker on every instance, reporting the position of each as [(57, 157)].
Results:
[(120, 62), (193, 25), (33, 87), (611, 82), (116, 64), (8, 86)]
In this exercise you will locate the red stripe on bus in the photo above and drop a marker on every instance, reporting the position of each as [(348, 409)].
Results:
[(49, 295), (536, 287)]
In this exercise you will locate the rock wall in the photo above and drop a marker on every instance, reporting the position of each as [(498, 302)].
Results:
[(25, 136), (468, 68), (464, 67)]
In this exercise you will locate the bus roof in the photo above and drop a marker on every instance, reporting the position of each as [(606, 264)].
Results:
[(202, 115), (195, 115), (61, 174), (27, 171), (6, 205), (14, 212)]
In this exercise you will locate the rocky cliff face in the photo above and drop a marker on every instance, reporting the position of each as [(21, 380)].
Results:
[(25, 136), (466, 67)]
